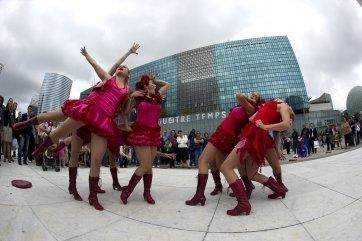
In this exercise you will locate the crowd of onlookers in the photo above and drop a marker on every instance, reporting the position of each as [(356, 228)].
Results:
[(309, 140)]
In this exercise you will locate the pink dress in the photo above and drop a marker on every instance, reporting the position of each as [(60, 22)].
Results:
[(98, 110), (146, 131), (255, 140)]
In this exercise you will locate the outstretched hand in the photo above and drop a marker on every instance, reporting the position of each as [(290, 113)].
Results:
[(134, 48), (83, 51)]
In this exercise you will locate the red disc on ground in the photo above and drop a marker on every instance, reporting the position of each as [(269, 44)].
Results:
[(21, 184)]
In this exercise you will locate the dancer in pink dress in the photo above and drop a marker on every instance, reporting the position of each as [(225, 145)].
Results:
[(221, 143), (145, 136), (255, 142), (97, 111)]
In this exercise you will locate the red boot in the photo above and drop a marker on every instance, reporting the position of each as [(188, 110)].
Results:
[(199, 197), (92, 198), (243, 205), (147, 182), (127, 190), (248, 186), (274, 185), (278, 177), (72, 184), (43, 146), (217, 181), (115, 185), (25, 124), (98, 189)]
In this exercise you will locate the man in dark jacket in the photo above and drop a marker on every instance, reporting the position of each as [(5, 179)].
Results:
[(25, 137)]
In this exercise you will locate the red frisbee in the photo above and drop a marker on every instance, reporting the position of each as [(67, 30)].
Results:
[(21, 184)]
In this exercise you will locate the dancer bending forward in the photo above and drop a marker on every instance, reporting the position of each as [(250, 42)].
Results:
[(255, 143)]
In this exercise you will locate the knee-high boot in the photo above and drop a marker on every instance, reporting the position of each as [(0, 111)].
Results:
[(127, 190), (25, 124), (199, 196), (115, 185), (217, 181), (92, 198), (99, 189), (274, 185), (73, 184), (243, 202), (147, 182), (278, 177), (43, 146), (248, 186)]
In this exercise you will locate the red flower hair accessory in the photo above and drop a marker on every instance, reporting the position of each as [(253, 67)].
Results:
[(140, 84)]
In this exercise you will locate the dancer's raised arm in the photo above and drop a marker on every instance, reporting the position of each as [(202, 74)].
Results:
[(132, 50), (102, 74), (162, 85)]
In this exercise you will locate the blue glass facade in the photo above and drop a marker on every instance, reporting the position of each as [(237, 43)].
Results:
[(205, 80)]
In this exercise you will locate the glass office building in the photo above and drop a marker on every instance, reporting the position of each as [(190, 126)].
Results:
[(54, 90), (203, 81)]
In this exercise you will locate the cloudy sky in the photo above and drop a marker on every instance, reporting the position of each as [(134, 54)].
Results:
[(37, 37)]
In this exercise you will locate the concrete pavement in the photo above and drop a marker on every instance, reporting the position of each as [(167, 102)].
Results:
[(323, 203)]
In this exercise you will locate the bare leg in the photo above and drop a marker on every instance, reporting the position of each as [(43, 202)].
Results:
[(227, 168), (98, 148), (68, 126), (54, 115), (76, 143)]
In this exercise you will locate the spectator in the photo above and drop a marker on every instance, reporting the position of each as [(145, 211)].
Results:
[(191, 141), (25, 135), (2, 110), (206, 140), (125, 156), (7, 132), (199, 141), (295, 136), (182, 149)]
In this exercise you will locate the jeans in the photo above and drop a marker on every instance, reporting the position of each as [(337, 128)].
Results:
[(23, 147)]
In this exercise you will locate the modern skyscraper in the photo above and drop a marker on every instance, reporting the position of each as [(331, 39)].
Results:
[(54, 91)]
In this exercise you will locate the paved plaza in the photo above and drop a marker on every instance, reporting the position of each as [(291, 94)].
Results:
[(323, 203)]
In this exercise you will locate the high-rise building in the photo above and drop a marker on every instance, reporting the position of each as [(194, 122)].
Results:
[(204, 81), (54, 91)]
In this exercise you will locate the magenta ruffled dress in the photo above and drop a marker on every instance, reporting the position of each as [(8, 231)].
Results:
[(146, 130), (98, 110)]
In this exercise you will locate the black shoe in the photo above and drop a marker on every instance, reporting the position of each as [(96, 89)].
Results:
[(25, 163), (19, 163)]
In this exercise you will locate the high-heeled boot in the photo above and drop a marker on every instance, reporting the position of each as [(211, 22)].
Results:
[(243, 205), (73, 184), (43, 146), (274, 185), (147, 182), (217, 181), (199, 196), (248, 186), (278, 177), (115, 185), (25, 124), (98, 189), (127, 190), (92, 198)]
